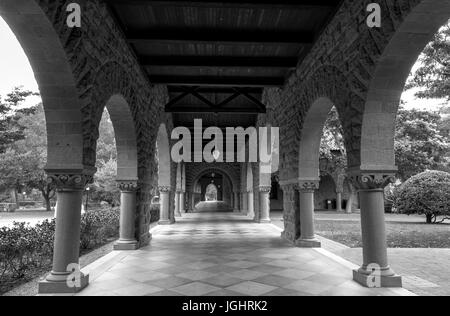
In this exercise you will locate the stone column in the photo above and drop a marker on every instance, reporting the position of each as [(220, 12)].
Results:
[(375, 271), (307, 234), (339, 201), (182, 203), (127, 240), (236, 202), (164, 194), (177, 203), (251, 205), (245, 202), (66, 276), (264, 204)]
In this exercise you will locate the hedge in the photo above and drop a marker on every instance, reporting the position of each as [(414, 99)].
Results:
[(427, 193), (27, 251)]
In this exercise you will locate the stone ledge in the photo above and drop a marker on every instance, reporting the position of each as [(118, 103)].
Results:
[(53, 287), (308, 243), (394, 281)]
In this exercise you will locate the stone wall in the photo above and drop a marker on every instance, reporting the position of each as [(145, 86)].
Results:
[(104, 65), (340, 67)]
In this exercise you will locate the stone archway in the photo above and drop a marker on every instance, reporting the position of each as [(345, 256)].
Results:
[(226, 189), (57, 84)]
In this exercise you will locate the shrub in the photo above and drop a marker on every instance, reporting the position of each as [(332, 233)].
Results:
[(427, 194), (25, 251), (155, 213)]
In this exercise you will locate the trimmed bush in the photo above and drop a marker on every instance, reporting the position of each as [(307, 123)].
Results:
[(427, 193), (27, 251)]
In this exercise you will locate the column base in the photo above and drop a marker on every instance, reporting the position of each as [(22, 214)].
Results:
[(178, 215), (386, 281), (166, 222), (126, 245), (60, 287), (308, 243), (264, 221)]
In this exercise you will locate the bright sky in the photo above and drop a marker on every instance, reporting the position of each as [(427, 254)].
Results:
[(15, 70)]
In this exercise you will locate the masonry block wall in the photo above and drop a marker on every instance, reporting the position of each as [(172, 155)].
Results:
[(103, 65), (339, 67)]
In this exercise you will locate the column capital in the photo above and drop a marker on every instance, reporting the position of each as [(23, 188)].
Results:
[(374, 179), (127, 185), (164, 189), (308, 185), (70, 181), (265, 189)]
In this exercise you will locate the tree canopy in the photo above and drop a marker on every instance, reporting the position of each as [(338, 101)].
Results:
[(433, 74)]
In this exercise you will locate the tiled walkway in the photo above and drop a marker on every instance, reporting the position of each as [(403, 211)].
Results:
[(222, 255)]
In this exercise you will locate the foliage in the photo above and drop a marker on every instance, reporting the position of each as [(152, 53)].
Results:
[(105, 187), (106, 143), (332, 146), (433, 76), (425, 194), (11, 130), (419, 144), (26, 250), (24, 161)]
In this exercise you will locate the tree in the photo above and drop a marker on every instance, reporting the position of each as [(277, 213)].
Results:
[(106, 144), (10, 113), (24, 161), (419, 144), (433, 75)]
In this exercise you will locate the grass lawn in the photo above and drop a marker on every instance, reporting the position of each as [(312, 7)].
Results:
[(399, 234)]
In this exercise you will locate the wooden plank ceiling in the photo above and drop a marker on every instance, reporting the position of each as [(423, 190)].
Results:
[(217, 56)]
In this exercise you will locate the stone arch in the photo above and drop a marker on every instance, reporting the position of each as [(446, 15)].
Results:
[(164, 158), (312, 132), (195, 172), (111, 89), (387, 83), (224, 174), (51, 66)]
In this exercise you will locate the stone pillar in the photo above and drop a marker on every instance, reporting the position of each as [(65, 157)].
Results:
[(245, 203), (375, 271), (66, 276), (251, 205), (164, 194), (127, 240), (264, 204), (307, 234), (339, 201), (182, 203), (177, 204), (236, 202)]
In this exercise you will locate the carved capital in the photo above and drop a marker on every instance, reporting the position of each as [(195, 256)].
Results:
[(265, 189), (68, 182), (164, 189), (371, 179), (308, 185), (127, 185)]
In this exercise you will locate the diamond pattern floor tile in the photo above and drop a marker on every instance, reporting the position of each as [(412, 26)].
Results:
[(224, 254)]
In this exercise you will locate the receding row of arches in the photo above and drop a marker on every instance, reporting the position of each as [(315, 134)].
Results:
[(75, 99)]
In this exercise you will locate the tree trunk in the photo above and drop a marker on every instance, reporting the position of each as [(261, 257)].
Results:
[(15, 198), (429, 219), (48, 204)]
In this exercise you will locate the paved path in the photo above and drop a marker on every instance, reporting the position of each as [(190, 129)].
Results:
[(7, 219), (424, 270), (222, 254)]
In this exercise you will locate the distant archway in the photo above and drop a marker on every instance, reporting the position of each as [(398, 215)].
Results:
[(211, 194)]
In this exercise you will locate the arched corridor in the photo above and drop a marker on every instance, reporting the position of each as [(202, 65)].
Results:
[(193, 89)]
